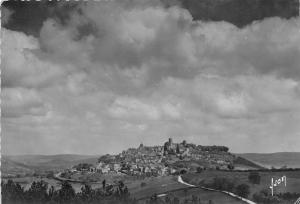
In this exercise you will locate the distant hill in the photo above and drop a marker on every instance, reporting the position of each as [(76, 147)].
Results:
[(289, 159), (240, 163), (21, 164)]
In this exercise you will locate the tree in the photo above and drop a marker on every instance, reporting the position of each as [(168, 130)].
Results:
[(168, 199), (243, 190), (66, 194), (121, 187), (177, 149), (52, 193), (103, 184), (38, 191), (11, 192), (122, 191), (86, 193), (153, 198), (254, 177), (183, 171), (230, 166)]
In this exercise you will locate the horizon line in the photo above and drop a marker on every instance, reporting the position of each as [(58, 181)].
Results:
[(76, 154)]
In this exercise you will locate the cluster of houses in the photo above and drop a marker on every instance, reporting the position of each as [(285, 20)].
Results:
[(161, 160)]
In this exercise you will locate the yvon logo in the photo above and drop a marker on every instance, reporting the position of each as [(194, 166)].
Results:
[(277, 182)]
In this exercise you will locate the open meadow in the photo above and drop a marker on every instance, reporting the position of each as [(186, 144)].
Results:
[(292, 181)]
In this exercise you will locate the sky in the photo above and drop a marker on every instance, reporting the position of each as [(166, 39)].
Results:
[(100, 77)]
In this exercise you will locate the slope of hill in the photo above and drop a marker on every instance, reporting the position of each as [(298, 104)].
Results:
[(20, 164), (9, 167), (241, 163), (279, 159)]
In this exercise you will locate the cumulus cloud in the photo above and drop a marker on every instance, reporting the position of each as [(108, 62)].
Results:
[(128, 108), (21, 66), (19, 101), (144, 72)]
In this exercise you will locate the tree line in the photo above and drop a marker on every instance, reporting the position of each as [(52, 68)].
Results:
[(41, 193)]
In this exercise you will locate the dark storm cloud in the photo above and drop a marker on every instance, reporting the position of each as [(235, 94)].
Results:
[(240, 12), (5, 15), (30, 15)]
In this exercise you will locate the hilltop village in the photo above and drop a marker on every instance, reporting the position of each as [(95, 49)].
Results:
[(171, 158)]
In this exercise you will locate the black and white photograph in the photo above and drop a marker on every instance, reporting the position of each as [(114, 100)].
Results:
[(150, 102)]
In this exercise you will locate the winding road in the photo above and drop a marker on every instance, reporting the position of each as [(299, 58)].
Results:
[(210, 189)]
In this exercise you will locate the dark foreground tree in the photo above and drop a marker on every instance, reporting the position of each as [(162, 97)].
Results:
[(38, 192), (66, 194), (12, 192)]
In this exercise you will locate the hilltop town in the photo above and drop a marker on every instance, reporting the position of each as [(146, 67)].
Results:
[(170, 158)]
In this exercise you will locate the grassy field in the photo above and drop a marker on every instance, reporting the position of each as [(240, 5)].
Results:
[(205, 196), (170, 186), (293, 179), (154, 185)]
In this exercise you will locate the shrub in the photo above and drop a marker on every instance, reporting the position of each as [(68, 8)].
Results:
[(265, 197), (199, 169), (243, 190)]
